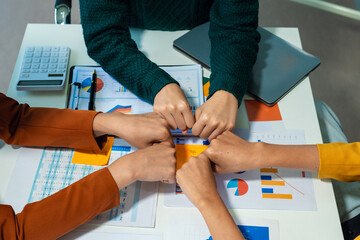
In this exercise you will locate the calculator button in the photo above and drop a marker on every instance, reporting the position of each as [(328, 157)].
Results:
[(46, 54), (36, 60), (63, 49), (61, 65), (35, 65), (34, 70), (62, 60), (38, 49), (29, 54), (28, 60), (61, 70), (52, 70), (30, 49), (55, 49), (53, 60), (26, 70), (47, 49), (45, 60), (63, 54), (27, 65), (43, 70), (37, 54), (53, 65), (44, 65), (54, 54)]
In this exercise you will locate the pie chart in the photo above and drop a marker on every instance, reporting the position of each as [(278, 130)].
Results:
[(86, 84), (240, 185)]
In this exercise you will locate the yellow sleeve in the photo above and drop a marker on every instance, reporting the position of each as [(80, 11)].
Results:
[(340, 161), (357, 238)]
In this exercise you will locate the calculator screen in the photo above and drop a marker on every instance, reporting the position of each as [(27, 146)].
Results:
[(39, 82)]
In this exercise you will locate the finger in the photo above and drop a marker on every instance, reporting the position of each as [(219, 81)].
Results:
[(208, 129), (198, 128), (170, 119), (197, 114), (189, 118), (216, 133), (185, 131), (179, 119)]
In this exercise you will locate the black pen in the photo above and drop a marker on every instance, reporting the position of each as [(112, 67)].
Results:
[(92, 91)]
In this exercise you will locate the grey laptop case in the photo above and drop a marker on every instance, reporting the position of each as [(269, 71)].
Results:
[(279, 67)]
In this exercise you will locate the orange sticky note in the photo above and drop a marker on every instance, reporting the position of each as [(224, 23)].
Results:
[(257, 111), (184, 152), (206, 89), (92, 157)]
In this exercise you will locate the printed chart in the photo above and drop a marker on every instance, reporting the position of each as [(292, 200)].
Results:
[(112, 96), (193, 227), (51, 170), (268, 188)]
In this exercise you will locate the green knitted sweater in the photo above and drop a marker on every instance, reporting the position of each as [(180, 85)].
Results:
[(233, 36)]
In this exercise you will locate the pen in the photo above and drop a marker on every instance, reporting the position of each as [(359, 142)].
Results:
[(92, 91)]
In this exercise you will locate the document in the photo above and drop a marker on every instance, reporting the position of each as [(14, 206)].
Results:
[(193, 227), (94, 234), (268, 188), (42, 172), (112, 96)]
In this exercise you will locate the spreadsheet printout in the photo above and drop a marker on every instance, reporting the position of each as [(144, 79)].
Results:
[(42, 172)]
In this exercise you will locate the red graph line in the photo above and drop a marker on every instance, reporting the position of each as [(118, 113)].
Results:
[(289, 184)]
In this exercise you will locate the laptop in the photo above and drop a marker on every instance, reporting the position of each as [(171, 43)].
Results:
[(279, 67)]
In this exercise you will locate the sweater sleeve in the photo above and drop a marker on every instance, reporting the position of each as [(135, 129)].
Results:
[(234, 45), (340, 161), (63, 211), (109, 43), (23, 125)]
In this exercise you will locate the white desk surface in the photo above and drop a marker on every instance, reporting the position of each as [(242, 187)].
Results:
[(297, 110)]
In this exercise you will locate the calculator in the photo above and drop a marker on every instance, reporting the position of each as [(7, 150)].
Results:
[(44, 68)]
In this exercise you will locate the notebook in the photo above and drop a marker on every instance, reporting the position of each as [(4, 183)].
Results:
[(279, 67)]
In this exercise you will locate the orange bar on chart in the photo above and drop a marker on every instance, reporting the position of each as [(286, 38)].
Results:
[(184, 152), (268, 170), (277, 196), (206, 88), (257, 111), (273, 183)]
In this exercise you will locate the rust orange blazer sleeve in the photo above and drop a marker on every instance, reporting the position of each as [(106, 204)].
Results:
[(23, 125), (63, 211)]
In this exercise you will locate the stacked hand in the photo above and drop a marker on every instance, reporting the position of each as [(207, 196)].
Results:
[(139, 130), (155, 163), (212, 118)]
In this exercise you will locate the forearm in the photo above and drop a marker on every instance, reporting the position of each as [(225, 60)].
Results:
[(219, 221), (234, 45), (65, 210), (304, 157), (109, 43), (23, 125)]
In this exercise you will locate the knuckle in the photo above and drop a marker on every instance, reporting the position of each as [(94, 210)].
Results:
[(182, 106), (211, 152), (205, 117), (163, 133), (230, 126), (214, 143)]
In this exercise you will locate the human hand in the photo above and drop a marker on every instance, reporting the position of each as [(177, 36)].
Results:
[(216, 115), (231, 153), (139, 130), (197, 181), (155, 163), (172, 104)]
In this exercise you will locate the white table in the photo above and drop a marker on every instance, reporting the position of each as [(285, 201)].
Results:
[(297, 109)]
